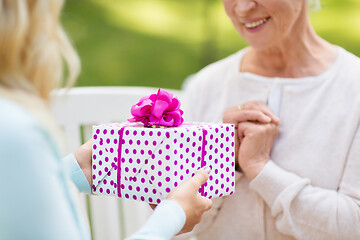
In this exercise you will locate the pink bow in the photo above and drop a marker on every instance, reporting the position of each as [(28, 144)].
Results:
[(161, 109)]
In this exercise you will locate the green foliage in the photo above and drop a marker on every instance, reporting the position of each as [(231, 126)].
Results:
[(159, 43)]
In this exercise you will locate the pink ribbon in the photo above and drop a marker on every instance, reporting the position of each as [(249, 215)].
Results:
[(119, 161), (121, 141), (203, 163)]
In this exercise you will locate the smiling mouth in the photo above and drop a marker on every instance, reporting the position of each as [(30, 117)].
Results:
[(256, 23)]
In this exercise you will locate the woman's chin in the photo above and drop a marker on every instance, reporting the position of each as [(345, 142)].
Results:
[(257, 41)]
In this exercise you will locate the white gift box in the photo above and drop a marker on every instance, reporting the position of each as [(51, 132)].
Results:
[(141, 163)]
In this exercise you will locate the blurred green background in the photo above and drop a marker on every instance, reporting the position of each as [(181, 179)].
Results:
[(159, 43)]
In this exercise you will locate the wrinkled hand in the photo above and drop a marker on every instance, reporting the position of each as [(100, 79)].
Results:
[(252, 111), (187, 196), (256, 141), (83, 157)]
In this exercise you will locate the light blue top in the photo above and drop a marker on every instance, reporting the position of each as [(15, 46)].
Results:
[(166, 221), (35, 199)]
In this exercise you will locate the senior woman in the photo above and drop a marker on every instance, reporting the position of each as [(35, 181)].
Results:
[(304, 182)]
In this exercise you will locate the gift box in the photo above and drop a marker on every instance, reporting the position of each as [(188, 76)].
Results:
[(145, 163)]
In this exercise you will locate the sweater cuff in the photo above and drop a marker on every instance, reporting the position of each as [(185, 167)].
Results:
[(273, 180), (166, 221), (77, 176)]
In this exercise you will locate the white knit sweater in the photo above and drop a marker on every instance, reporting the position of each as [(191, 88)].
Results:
[(311, 187)]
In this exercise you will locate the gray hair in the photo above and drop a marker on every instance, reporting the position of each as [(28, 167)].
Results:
[(314, 4)]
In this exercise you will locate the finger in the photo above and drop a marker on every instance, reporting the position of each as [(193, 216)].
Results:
[(271, 114), (246, 115), (200, 177), (246, 127), (207, 203), (256, 105), (242, 127), (275, 128), (262, 106), (235, 108), (241, 134)]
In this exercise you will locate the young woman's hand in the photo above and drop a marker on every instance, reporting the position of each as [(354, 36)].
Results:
[(187, 196), (83, 157)]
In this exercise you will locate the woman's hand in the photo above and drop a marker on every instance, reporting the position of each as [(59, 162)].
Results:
[(83, 157), (187, 196), (252, 111), (256, 141)]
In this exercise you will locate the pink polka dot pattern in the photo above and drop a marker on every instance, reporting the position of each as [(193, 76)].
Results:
[(156, 160)]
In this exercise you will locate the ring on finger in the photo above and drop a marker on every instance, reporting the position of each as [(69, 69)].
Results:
[(240, 107)]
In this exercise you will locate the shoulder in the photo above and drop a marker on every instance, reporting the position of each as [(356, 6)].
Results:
[(212, 73), (21, 133), (348, 72), (349, 56), (349, 61), (15, 121)]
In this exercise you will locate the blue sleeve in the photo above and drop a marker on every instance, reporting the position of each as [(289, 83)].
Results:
[(77, 176), (166, 221), (35, 201)]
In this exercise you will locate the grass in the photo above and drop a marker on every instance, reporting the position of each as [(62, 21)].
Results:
[(159, 43)]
